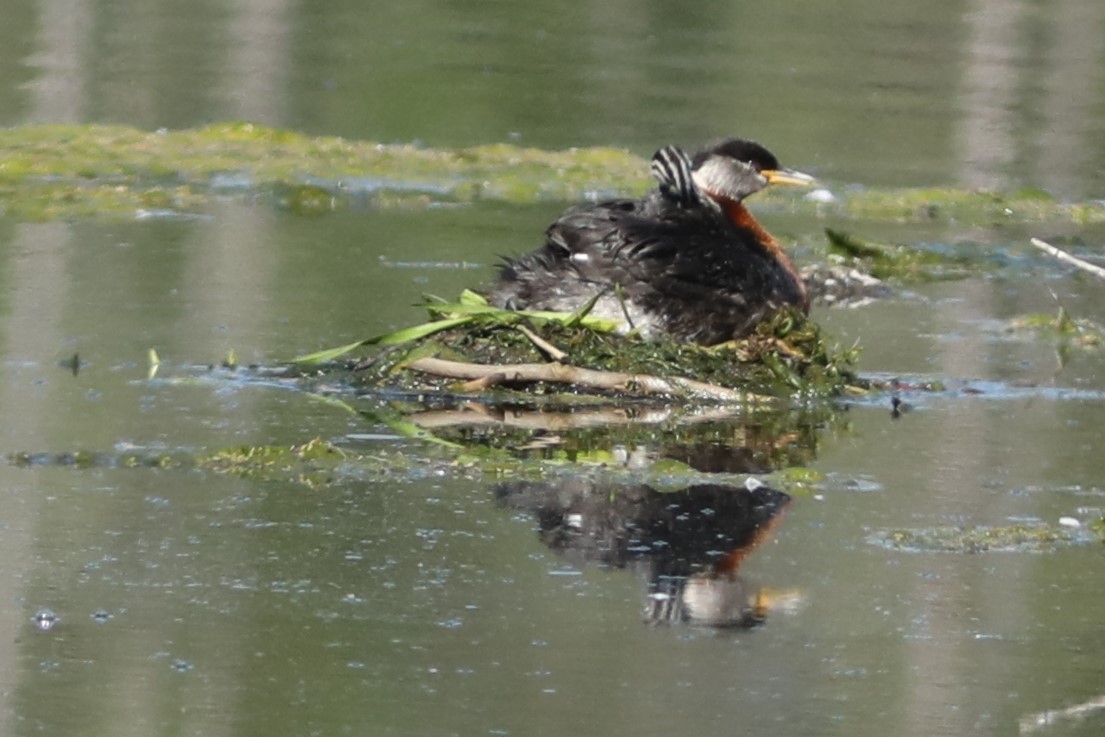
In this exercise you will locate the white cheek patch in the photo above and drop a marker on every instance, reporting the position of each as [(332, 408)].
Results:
[(704, 175), (580, 258), (724, 178)]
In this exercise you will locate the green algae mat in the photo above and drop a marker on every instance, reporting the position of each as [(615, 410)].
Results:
[(64, 171)]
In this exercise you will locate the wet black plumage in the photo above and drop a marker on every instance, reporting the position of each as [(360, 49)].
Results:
[(690, 261)]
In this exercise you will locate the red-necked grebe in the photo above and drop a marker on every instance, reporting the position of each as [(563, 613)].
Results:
[(687, 262)]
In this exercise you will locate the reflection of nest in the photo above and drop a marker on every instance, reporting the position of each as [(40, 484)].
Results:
[(710, 439), (692, 541)]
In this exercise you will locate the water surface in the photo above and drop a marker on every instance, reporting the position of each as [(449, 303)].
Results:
[(976, 92)]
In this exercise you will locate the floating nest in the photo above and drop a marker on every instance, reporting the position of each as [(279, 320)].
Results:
[(470, 347)]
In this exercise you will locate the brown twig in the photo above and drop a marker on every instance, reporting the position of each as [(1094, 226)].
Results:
[(1066, 257), (543, 345), (563, 374)]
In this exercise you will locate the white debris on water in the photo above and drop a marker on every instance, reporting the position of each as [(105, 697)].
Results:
[(820, 195)]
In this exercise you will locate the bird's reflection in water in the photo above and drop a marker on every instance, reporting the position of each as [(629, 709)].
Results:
[(690, 542)]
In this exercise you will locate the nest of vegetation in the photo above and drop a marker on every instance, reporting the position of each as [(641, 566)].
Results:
[(471, 347)]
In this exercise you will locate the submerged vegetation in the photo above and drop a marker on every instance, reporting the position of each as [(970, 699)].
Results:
[(684, 459), (1012, 538), (61, 171), (900, 262), (1080, 333)]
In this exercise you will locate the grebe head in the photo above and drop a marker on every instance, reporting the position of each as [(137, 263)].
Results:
[(734, 168)]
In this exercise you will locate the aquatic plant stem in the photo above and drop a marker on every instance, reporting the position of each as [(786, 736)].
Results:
[(1066, 257), (625, 310)]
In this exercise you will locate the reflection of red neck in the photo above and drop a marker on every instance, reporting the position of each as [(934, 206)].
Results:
[(728, 565), (739, 216)]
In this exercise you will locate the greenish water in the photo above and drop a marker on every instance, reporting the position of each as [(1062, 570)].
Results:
[(190, 602), (194, 603)]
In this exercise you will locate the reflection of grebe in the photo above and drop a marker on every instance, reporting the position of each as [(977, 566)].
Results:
[(720, 597), (688, 260), (692, 541)]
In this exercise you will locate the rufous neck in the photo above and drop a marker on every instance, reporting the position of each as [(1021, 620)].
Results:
[(739, 216)]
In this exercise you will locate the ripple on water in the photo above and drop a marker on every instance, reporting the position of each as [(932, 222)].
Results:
[(45, 620)]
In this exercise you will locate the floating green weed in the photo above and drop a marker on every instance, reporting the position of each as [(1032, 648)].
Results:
[(904, 263), (63, 171), (312, 463)]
